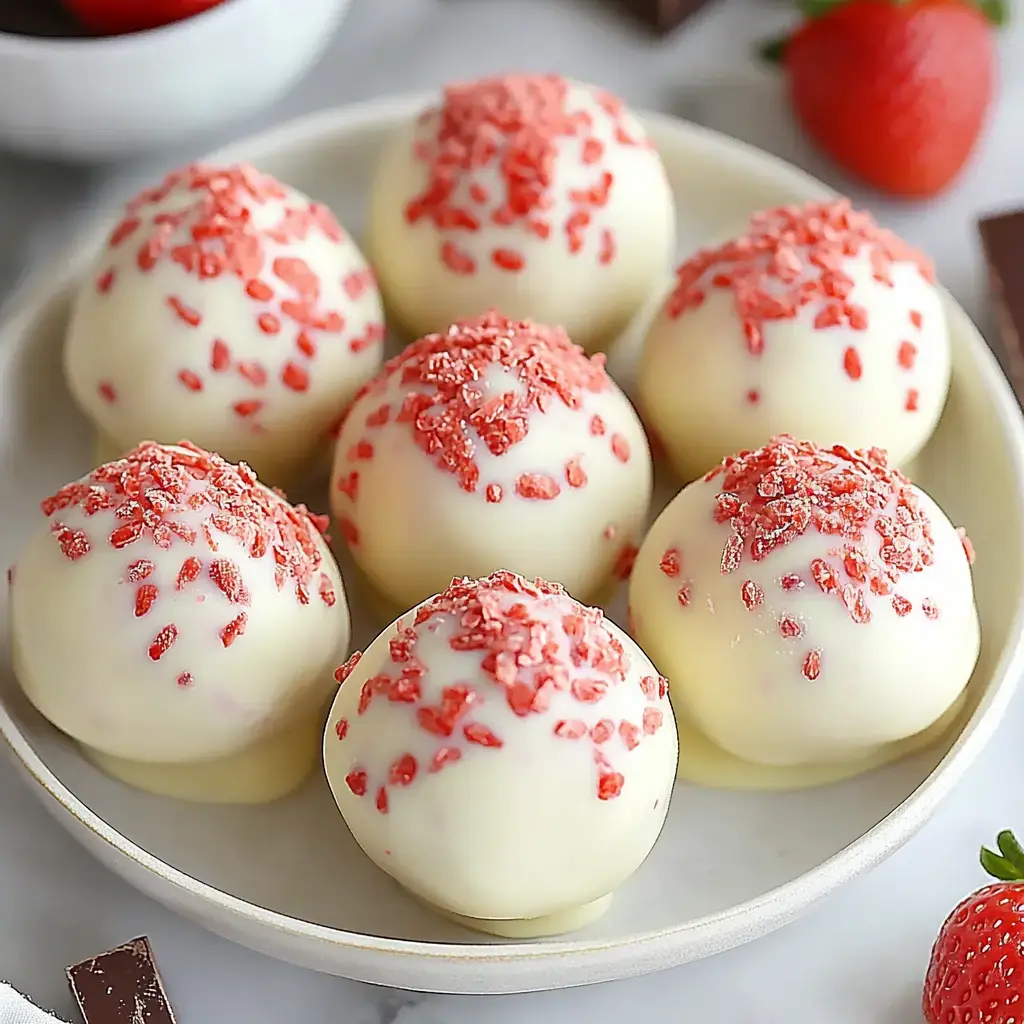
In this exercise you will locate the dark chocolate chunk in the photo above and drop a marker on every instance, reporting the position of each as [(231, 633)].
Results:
[(39, 18), (121, 986), (664, 15), (1002, 237)]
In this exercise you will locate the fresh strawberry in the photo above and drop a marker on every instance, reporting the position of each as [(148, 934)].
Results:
[(976, 971), (117, 17), (895, 91)]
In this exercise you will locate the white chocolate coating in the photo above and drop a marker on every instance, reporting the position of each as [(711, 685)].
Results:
[(877, 376), (490, 812), (267, 770), (787, 659), (582, 251), (229, 309), (207, 627), (412, 524)]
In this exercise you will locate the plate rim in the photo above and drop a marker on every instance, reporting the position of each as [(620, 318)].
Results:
[(644, 951)]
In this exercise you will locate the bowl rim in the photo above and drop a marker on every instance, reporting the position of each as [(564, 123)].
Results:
[(16, 44), (651, 949)]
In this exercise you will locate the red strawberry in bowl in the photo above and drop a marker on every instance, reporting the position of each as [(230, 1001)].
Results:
[(976, 972), (895, 92), (117, 17)]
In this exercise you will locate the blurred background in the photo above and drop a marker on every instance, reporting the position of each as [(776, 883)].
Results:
[(71, 141)]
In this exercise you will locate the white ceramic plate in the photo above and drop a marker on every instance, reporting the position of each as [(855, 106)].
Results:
[(287, 879)]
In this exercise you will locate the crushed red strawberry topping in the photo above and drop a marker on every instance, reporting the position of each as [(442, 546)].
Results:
[(534, 644), (246, 232), (877, 531), (157, 499), (796, 259), (522, 152), (453, 407)]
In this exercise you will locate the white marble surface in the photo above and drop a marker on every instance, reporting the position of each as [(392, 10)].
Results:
[(858, 957)]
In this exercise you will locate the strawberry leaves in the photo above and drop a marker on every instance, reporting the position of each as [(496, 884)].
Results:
[(997, 11), (1008, 864)]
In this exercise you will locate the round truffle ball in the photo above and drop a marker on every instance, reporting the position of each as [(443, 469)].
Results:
[(227, 308), (504, 753), (497, 445), (815, 323), (809, 605), (530, 193), (172, 611)]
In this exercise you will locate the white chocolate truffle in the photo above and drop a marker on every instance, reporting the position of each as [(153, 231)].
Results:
[(230, 309), (498, 445), (532, 194), (816, 323), (172, 611), (503, 752), (808, 605)]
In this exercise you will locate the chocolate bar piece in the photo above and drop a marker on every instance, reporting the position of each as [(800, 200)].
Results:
[(121, 986), (664, 15), (1002, 237)]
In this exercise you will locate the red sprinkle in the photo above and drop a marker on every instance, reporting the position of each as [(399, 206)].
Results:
[(162, 642), (345, 671), (403, 771), (878, 533), (234, 629), (106, 391), (450, 418), (228, 223), (163, 497), (811, 667), (906, 355), (191, 380), (185, 313), (574, 474), (356, 781), (792, 258), (851, 364), (671, 563), (518, 130), (145, 598), (789, 627), (537, 486), (532, 641), (140, 570), (74, 544), (752, 595)]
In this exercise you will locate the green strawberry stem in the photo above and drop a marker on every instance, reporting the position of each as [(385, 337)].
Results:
[(1008, 864), (997, 11)]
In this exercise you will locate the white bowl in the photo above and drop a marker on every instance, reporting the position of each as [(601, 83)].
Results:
[(287, 878), (109, 98)]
